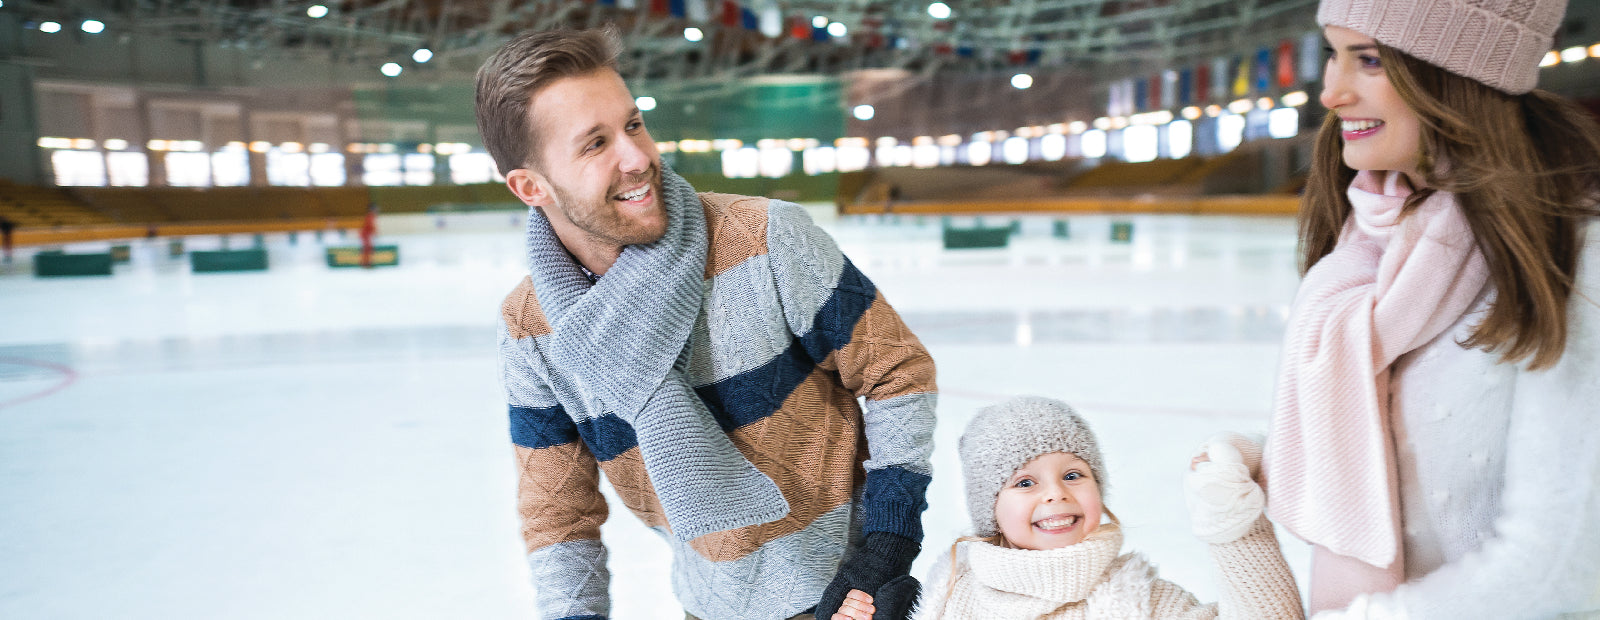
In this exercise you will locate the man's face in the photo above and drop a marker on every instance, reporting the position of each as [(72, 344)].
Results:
[(599, 160)]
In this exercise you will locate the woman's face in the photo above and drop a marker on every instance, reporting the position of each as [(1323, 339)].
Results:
[(1050, 502), (1380, 131)]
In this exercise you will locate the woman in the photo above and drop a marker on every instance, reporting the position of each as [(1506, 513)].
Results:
[(1436, 427)]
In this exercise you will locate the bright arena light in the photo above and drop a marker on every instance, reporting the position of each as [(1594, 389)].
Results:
[(1021, 81), (1296, 99), (939, 10), (1550, 58), (819, 22), (422, 55), (316, 11), (645, 104), (693, 35), (390, 69), (836, 29), (1574, 54), (50, 27), (93, 26), (864, 112)]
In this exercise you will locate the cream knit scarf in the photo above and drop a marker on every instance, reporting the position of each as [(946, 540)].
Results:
[(626, 340), (1391, 285)]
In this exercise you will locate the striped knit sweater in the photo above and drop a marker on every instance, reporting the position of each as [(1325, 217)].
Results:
[(789, 335)]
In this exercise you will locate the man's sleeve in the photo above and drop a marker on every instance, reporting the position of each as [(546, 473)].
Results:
[(558, 494), (846, 325)]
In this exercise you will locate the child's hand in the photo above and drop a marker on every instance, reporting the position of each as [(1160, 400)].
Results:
[(1224, 499), (857, 606)]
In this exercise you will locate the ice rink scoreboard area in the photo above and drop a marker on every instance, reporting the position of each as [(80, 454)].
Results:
[(312, 441)]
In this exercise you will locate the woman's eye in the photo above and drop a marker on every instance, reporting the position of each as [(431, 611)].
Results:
[(1369, 61)]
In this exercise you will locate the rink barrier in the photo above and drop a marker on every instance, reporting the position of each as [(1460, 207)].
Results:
[(1198, 205), (54, 264), (254, 259), (114, 232), (350, 256)]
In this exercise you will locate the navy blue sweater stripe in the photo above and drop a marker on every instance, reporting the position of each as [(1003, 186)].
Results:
[(757, 393), (590, 617), (893, 502), (835, 322), (541, 427)]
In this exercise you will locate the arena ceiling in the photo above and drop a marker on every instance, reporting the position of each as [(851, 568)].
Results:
[(737, 38)]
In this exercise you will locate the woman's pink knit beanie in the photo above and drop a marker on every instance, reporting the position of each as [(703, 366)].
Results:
[(1497, 42)]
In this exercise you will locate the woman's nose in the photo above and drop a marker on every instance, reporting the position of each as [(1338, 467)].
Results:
[(1335, 90)]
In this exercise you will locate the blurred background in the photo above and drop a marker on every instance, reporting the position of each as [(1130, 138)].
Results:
[(213, 405)]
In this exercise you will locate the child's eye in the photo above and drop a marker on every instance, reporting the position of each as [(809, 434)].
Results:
[(1024, 483), (1072, 475)]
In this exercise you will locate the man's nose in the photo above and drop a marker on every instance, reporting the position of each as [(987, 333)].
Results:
[(633, 158)]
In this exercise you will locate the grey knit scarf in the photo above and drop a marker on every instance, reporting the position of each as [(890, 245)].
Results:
[(626, 339)]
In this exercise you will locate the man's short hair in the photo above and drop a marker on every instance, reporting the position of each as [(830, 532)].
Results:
[(510, 78)]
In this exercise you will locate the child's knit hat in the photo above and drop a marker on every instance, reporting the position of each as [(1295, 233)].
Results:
[(1497, 42), (1004, 437)]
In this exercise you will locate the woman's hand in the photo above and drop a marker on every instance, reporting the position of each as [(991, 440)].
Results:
[(857, 606)]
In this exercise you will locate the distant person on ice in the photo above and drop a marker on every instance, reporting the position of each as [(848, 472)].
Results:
[(705, 351)]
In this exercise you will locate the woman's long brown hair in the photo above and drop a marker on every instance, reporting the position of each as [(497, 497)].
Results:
[(1525, 170)]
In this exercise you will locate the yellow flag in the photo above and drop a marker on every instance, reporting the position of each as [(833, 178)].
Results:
[(1241, 79)]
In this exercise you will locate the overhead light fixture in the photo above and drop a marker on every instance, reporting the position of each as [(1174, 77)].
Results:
[(1574, 54), (1191, 112), (390, 69), (49, 27), (422, 55), (1021, 81), (645, 104), (939, 10), (693, 35), (1296, 99), (93, 26), (836, 29), (316, 11), (865, 112), (819, 22), (1550, 58)]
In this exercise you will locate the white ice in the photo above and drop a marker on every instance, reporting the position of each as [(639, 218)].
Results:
[(315, 443)]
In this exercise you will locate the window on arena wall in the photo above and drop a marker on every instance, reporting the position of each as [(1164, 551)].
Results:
[(1180, 139), (819, 160), (467, 168), (419, 168), (1093, 143), (83, 168), (186, 169), (381, 169), (128, 169), (327, 169), (1230, 132), (289, 169), (230, 167)]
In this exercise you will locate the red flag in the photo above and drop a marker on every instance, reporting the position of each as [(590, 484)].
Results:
[(1285, 64), (1202, 83), (658, 7), (730, 13), (799, 28), (1155, 91)]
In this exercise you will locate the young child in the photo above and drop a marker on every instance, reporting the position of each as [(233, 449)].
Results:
[(1035, 487)]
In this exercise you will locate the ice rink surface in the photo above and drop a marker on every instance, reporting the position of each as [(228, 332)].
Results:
[(314, 443)]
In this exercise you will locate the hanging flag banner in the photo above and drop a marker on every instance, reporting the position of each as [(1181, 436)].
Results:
[(1241, 77), (799, 28), (1186, 87), (660, 7), (1141, 94), (696, 11), (1202, 83), (1169, 88), (677, 8), (1285, 64), (1220, 78), (627, 4), (1263, 69), (728, 13), (1310, 57)]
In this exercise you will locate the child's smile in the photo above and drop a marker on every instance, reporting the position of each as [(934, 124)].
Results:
[(1050, 502)]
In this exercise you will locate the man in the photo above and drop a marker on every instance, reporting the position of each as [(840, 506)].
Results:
[(705, 352)]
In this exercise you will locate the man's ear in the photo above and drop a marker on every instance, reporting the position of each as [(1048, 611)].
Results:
[(530, 187)]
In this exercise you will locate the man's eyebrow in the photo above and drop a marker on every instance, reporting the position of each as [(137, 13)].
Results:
[(584, 137)]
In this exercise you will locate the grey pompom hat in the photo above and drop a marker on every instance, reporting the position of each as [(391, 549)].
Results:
[(1004, 437)]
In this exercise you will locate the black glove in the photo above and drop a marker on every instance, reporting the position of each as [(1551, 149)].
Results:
[(880, 560)]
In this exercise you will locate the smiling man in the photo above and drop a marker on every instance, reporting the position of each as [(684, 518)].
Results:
[(706, 352)]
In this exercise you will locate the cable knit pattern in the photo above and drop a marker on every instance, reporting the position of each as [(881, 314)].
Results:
[(1091, 581), (786, 336), (1391, 285), (1499, 474)]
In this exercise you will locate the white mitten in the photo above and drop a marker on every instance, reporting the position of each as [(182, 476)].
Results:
[(1224, 499)]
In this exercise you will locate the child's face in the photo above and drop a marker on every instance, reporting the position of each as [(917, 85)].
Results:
[(1049, 503)]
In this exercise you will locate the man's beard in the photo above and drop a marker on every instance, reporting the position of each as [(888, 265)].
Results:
[(601, 219)]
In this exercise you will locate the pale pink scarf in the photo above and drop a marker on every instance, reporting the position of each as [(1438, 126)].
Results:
[(1391, 285)]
